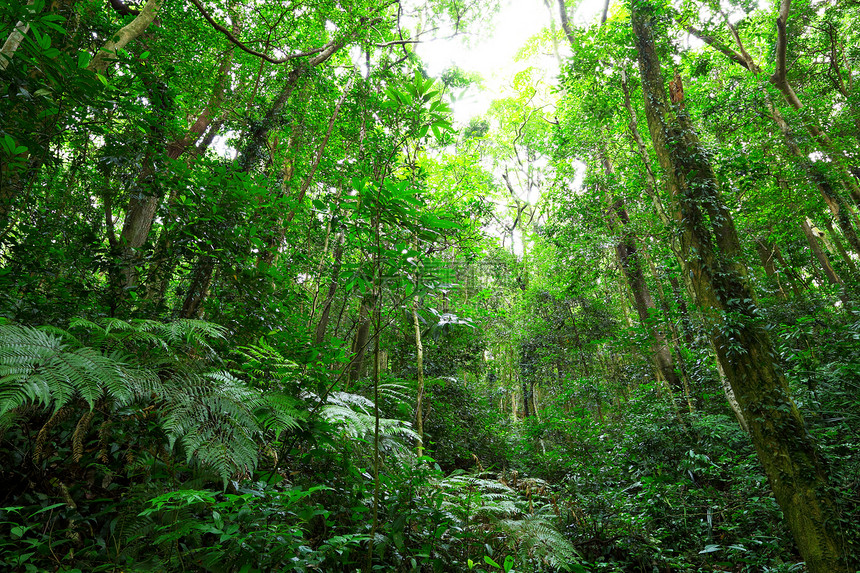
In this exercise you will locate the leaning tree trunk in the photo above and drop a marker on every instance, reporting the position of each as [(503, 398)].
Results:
[(819, 253), (631, 266), (712, 260)]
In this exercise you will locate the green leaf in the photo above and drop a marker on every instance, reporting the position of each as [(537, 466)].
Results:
[(393, 95), (18, 531), (436, 223), (489, 561)]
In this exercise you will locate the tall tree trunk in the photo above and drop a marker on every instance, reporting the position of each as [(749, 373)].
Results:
[(795, 281), (124, 35), (631, 265), (362, 334), (819, 253), (765, 252), (143, 205), (836, 161), (791, 460), (838, 205), (257, 136), (201, 280), (419, 367), (840, 248), (322, 325), (10, 46), (674, 331)]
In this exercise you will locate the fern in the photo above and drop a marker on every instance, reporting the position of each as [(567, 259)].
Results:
[(502, 509), (214, 418), (39, 367), (540, 539), (353, 414)]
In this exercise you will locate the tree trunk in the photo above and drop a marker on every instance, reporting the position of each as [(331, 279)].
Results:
[(795, 281), (362, 334), (631, 265), (322, 325), (712, 259), (143, 206), (840, 248), (419, 365), (10, 46), (819, 253), (765, 252), (838, 205), (201, 280), (836, 159)]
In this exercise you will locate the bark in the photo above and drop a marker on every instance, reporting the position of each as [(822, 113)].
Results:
[(201, 280), (258, 136), (322, 325), (840, 248), (677, 354), (565, 22), (792, 463), (795, 281), (779, 79), (526, 399), (143, 206), (839, 207), (730, 396), (269, 254)]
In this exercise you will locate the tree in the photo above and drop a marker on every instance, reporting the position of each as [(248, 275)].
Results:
[(719, 279)]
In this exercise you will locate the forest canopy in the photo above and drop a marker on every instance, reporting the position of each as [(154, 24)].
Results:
[(267, 303)]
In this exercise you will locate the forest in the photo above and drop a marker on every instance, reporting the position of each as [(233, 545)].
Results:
[(269, 301)]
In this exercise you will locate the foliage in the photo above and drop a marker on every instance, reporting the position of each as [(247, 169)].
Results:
[(216, 242)]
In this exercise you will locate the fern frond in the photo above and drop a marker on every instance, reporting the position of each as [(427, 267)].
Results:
[(38, 367), (543, 540), (213, 418), (398, 393), (350, 400), (279, 412)]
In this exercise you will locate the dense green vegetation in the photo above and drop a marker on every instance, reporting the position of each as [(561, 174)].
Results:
[(265, 306)]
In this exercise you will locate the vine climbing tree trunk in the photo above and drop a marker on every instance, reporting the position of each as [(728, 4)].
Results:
[(713, 261)]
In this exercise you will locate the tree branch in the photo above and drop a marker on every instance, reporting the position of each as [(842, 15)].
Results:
[(12, 42), (125, 35), (565, 23), (245, 48), (779, 76), (719, 45), (122, 9)]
